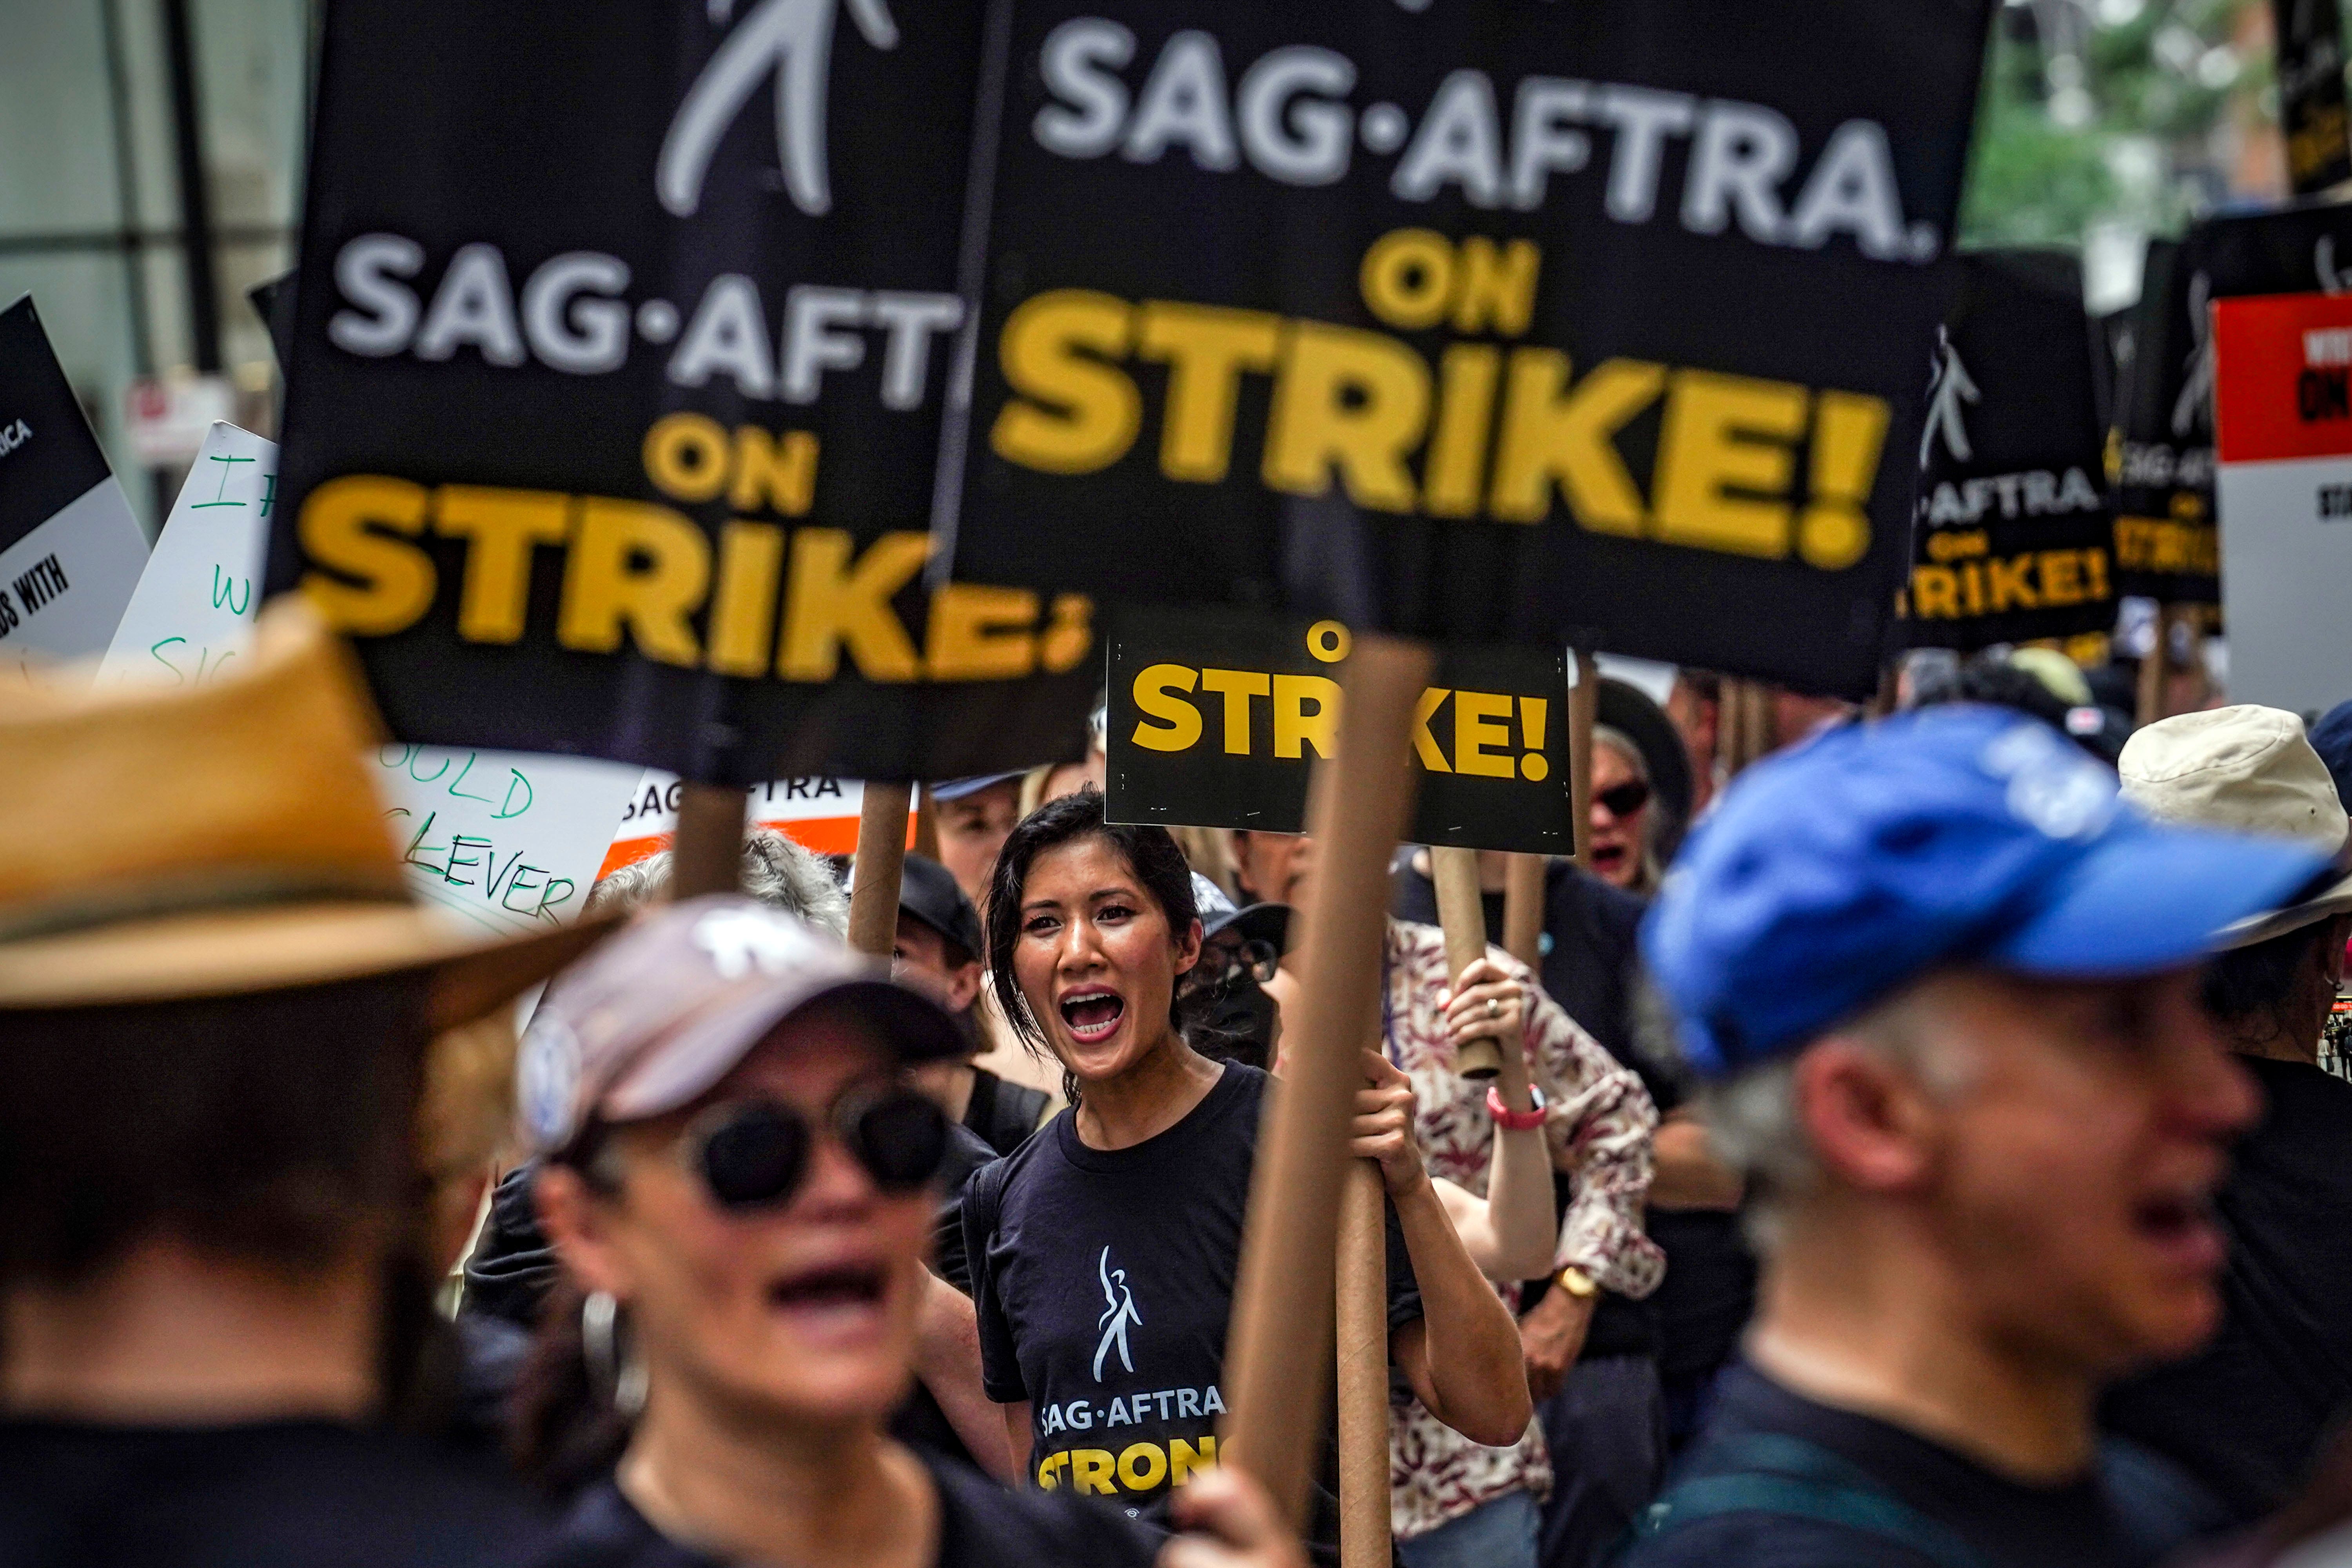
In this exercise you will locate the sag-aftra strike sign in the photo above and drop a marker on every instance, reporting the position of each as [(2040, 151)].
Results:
[(1599, 322), (623, 337), (653, 364), (1214, 721)]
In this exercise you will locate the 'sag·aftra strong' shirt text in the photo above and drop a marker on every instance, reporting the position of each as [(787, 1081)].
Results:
[(1104, 1286)]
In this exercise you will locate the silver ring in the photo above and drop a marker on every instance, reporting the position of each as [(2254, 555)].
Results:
[(1494, 1007)]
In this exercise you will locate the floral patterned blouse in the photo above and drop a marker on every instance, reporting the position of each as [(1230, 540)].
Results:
[(1600, 1122)]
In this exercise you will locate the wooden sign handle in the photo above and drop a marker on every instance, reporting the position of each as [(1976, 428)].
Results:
[(707, 855), (881, 862), (1358, 803), (1363, 1363), (1463, 914), (1583, 705), (1524, 891)]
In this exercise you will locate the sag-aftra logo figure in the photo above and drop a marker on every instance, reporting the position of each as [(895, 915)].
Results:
[(792, 39)]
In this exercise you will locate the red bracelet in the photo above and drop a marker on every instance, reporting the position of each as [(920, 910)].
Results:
[(1511, 1121)]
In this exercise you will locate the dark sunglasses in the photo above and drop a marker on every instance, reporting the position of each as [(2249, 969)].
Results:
[(1225, 963), (1626, 799), (754, 1153)]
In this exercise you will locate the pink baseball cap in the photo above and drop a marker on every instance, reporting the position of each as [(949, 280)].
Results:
[(655, 1015)]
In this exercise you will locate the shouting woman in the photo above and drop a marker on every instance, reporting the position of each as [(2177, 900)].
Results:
[(1104, 1251), (737, 1180)]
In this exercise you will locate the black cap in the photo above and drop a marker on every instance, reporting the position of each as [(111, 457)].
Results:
[(928, 891)]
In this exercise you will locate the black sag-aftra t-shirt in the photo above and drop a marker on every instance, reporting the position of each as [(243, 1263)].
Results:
[(268, 1494), (981, 1525), (1104, 1279)]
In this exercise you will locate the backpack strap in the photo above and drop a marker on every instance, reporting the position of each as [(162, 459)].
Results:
[(1790, 1478)]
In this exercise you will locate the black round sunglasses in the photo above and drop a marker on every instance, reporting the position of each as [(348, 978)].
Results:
[(754, 1153)]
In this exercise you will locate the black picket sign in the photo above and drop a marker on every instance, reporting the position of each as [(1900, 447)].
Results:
[(2160, 472), (2310, 67), (623, 342), (1215, 719), (1597, 322), (2013, 525)]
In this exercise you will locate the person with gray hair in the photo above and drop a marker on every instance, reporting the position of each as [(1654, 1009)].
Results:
[(1942, 983), (776, 871), (2249, 1411)]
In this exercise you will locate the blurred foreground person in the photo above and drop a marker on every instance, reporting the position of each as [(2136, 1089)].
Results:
[(739, 1180), (2246, 1414), (1104, 1252), (1945, 983), (215, 1267)]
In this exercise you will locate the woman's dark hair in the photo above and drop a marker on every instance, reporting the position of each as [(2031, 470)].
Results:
[(1151, 853), (562, 1432)]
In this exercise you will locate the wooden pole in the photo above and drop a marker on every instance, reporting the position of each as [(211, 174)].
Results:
[(1463, 914), (1363, 1370), (881, 859), (2152, 667), (927, 824), (1358, 804), (1583, 704), (1523, 908), (706, 856)]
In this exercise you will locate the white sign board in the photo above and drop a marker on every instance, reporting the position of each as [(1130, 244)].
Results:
[(500, 841), (70, 550)]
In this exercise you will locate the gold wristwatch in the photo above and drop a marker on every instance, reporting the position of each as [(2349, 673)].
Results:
[(1577, 1283)]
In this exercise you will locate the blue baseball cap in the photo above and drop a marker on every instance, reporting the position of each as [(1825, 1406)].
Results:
[(2332, 739), (956, 789), (1831, 875)]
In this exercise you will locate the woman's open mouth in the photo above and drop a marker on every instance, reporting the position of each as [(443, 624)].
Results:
[(841, 1300), (2180, 1226), (1092, 1016)]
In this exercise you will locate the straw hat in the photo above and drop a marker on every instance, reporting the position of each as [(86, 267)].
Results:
[(2245, 769), (164, 844)]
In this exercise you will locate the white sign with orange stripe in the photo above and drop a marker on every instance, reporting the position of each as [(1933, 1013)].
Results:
[(819, 814)]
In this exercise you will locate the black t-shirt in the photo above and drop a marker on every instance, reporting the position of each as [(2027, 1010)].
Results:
[(2245, 1415), (1104, 1284), (981, 1525), (1926, 1506), (1003, 1114), (273, 1494)]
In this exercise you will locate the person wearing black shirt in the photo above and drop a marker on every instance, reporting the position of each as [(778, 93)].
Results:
[(1103, 1253), (938, 947), (1942, 984), (2247, 1413), (740, 1181), (215, 1263)]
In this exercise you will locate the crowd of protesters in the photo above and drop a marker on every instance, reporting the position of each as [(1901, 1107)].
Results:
[(1912, 1151)]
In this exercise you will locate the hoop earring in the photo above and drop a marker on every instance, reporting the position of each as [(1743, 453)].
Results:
[(615, 1370)]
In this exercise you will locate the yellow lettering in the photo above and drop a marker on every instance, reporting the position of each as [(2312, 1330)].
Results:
[(1179, 722), (1350, 398), (1849, 432), (1090, 1471), (499, 527), (980, 633), (1237, 687), (1498, 291), (686, 457), (1406, 277), (779, 474), (1049, 1474), (2011, 584), (1183, 1459), (2061, 576), (2095, 567), (836, 596), (750, 557), (382, 585), (634, 562), (1142, 1466), (1552, 434), (1723, 434), (1074, 413), (1935, 594), (1069, 632), (1425, 744), (1455, 472), (1206, 350), (1293, 724), (1482, 721)]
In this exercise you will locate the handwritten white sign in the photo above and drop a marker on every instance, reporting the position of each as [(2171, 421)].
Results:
[(192, 613), (500, 841)]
